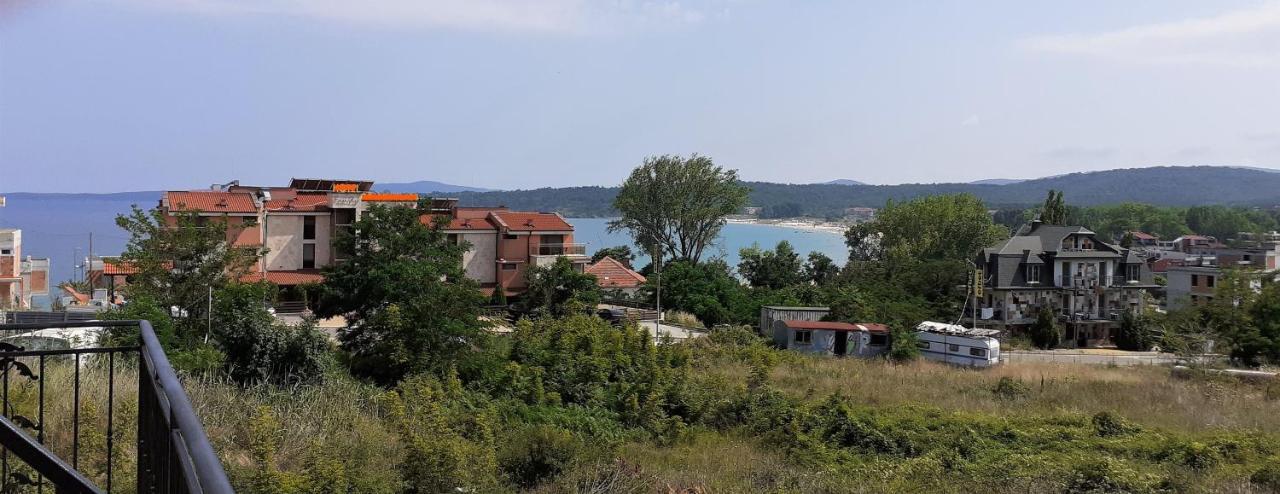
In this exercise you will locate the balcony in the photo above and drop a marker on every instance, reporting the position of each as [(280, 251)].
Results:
[(562, 250), (1087, 281), (55, 400)]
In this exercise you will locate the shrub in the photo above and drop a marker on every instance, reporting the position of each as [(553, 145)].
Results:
[(682, 319), (449, 444), (1045, 332), (903, 345), (1009, 388), (1107, 424), (1108, 475), (537, 453), (1134, 333), (1268, 476), (257, 348)]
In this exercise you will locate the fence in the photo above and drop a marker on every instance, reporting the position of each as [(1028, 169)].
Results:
[(172, 452)]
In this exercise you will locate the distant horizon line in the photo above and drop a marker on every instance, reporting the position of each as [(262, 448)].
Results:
[(827, 182)]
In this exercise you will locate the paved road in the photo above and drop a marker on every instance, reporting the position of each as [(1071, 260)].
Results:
[(1095, 357)]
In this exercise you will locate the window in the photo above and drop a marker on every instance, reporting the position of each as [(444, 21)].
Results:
[(1208, 281), (954, 348), (510, 236), (923, 345), (508, 266), (804, 337), (308, 227), (5, 252), (453, 239), (308, 256), (1195, 280), (978, 352), (1033, 273), (879, 339), (1135, 272)]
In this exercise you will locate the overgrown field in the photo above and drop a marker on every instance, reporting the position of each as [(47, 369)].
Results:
[(735, 416)]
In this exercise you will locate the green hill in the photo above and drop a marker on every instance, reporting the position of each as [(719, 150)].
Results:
[(1163, 186)]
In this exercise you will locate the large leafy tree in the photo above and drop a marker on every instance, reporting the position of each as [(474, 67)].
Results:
[(559, 290), (922, 247), (408, 303), (620, 253), (180, 264), (708, 290), (777, 268), (820, 269), (1054, 211), (677, 205)]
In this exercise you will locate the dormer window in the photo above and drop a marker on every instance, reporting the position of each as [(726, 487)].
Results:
[(1134, 273), (1033, 273)]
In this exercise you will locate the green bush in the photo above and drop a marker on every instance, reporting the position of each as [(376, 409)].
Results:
[(537, 453), (903, 345), (1268, 476), (1107, 476), (257, 348), (1045, 333), (1009, 388), (1107, 424)]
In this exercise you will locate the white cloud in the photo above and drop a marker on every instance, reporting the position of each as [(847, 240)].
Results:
[(1241, 38), (530, 16)]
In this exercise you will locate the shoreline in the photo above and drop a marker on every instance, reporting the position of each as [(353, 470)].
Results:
[(825, 227)]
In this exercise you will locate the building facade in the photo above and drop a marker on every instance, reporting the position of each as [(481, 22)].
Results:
[(1085, 282), (296, 226), (22, 279)]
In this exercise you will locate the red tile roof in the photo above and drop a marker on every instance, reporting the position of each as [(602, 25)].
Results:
[(468, 224), (611, 273), (117, 267), (285, 278), (527, 222), (303, 202), (388, 197), (210, 201), (1143, 235), (837, 326)]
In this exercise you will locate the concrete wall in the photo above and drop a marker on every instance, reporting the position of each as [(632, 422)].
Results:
[(284, 241), (480, 261)]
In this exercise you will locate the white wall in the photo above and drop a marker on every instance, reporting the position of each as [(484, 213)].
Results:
[(480, 261), (283, 242)]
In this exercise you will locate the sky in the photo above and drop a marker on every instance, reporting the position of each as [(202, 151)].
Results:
[(122, 95)]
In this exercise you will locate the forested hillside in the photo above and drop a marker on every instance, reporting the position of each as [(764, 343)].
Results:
[(1161, 186)]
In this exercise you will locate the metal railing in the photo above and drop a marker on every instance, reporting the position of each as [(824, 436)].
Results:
[(171, 450), (562, 250)]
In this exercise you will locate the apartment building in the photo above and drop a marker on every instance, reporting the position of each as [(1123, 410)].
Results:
[(21, 278), (1085, 282), (1194, 280), (296, 226)]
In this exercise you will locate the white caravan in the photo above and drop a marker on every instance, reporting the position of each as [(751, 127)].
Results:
[(955, 344)]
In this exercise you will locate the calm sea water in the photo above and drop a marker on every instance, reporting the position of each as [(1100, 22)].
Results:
[(58, 227), (735, 236)]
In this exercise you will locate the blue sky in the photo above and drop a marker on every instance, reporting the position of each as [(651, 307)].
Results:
[(112, 95)]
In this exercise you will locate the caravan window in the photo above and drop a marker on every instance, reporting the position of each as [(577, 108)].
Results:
[(804, 337), (879, 339), (923, 345), (978, 352), (954, 348)]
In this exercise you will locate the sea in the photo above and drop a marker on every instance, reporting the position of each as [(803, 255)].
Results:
[(60, 227)]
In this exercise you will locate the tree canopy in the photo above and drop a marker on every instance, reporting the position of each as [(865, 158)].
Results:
[(677, 205), (408, 303)]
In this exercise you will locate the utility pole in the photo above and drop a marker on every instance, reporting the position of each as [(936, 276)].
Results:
[(656, 258)]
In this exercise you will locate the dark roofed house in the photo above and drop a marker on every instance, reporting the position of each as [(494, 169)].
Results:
[(1085, 282)]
